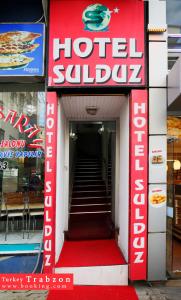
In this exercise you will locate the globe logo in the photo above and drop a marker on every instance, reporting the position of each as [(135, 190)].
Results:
[(96, 17)]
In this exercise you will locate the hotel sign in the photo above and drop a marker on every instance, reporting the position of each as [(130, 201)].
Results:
[(50, 183), (138, 185), (96, 43)]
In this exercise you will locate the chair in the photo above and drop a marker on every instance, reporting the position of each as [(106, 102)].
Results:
[(35, 208), (15, 207)]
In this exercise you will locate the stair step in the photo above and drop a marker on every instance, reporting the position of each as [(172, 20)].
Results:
[(90, 212), (90, 208), (88, 182), (90, 204), (92, 187), (91, 168), (88, 166), (88, 177), (87, 172), (88, 193), (91, 176), (90, 200), (95, 162), (93, 217), (88, 161)]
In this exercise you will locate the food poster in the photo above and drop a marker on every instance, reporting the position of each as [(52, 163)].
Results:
[(157, 159), (22, 49), (157, 207), (157, 196)]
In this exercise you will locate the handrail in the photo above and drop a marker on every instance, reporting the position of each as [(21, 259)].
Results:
[(106, 175)]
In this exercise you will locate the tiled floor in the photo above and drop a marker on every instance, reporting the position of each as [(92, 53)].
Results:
[(158, 291), (21, 295)]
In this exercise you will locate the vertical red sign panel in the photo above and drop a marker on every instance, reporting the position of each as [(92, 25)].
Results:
[(138, 184), (50, 182)]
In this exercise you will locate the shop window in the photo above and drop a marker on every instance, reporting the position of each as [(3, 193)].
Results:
[(174, 196), (22, 143), (174, 16)]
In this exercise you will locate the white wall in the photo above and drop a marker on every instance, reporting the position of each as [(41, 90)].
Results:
[(157, 14), (61, 180), (123, 209), (157, 134)]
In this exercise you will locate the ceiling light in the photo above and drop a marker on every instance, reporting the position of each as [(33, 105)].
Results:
[(91, 110)]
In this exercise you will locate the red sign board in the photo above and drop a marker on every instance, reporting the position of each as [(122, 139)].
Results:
[(96, 43), (138, 184), (50, 183)]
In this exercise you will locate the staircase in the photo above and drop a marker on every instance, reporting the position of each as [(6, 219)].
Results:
[(90, 211), (177, 231), (90, 251)]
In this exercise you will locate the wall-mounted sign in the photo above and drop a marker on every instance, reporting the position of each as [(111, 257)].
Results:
[(157, 207), (138, 184), (50, 182), (96, 43), (157, 159), (22, 49), (157, 196)]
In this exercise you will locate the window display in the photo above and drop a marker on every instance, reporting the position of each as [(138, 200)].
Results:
[(174, 196), (22, 143)]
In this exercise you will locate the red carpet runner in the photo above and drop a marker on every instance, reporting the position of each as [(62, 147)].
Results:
[(90, 253), (95, 293)]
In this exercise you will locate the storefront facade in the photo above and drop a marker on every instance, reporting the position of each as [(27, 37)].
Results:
[(69, 75), (98, 60)]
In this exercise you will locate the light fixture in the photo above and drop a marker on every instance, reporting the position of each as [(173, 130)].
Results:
[(73, 135), (176, 164), (91, 110), (101, 129)]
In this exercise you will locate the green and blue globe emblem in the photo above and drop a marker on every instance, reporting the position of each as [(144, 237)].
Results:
[(96, 17)]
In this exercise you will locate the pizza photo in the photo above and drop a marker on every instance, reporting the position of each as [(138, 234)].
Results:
[(15, 48), (18, 36), (14, 61), (13, 44)]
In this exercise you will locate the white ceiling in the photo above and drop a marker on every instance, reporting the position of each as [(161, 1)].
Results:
[(108, 107)]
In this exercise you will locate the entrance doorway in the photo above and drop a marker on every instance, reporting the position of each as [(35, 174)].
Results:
[(93, 163), (92, 180)]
